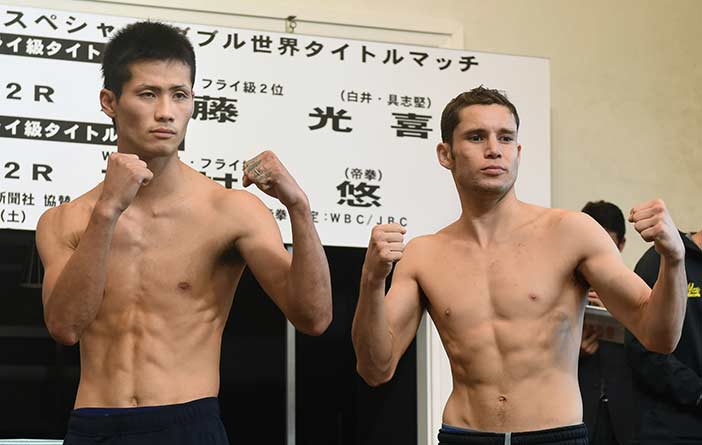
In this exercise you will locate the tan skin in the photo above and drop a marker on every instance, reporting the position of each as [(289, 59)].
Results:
[(142, 269), (590, 343), (505, 286)]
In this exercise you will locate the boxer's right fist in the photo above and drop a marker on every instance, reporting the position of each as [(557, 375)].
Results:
[(385, 247), (125, 175)]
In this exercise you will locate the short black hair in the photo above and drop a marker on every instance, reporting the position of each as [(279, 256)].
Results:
[(143, 41), (477, 96), (608, 215)]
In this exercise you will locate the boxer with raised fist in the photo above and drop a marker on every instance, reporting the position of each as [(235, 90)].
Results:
[(506, 286), (142, 269)]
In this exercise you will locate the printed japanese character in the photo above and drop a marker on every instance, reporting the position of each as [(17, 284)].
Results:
[(70, 22), (276, 89), (355, 195), (412, 125), (328, 114), (27, 199), (314, 48), (233, 41), (419, 57), (71, 132), (51, 130), (341, 51), (467, 62), (53, 48), (48, 20), (392, 56), (211, 36), (73, 51), (106, 29), (35, 47), (32, 129), (356, 173), (261, 43), (365, 54), (17, 20), (13, 126), (288, 44), (443, 63)]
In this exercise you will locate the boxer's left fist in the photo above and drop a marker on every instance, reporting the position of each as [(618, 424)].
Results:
[(652, 220), (268, 174)]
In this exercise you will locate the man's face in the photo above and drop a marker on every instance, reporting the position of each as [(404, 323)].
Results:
[(153, 111), (484, 154)]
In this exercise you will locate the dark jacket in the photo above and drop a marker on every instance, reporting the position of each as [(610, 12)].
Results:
[(669, 386), (607, 373)]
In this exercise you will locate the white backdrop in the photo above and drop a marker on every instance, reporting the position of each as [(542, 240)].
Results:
[(377, 106)]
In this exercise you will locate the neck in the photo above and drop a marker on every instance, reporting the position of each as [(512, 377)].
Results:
[(483, 216)]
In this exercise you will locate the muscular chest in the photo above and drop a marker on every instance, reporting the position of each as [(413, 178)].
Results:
[(165, 258), (512, 281)]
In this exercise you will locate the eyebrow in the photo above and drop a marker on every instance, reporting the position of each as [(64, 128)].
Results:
[(179, 86), (483, 130)]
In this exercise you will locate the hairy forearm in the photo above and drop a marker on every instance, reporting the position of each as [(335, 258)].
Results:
[(371, 334), (665, 309), (308, 286), (77, 294)]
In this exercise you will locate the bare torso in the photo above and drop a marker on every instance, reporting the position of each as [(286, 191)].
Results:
[(510, 317), (171, 276)]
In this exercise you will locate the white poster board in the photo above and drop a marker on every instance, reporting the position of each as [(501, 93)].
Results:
[(355, 122)]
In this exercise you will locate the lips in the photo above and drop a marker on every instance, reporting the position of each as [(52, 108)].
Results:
[(163, 132), (493, 170)]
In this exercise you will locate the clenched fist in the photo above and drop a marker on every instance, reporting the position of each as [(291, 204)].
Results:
[(385, 247), (125, 175), (270, 176), (652, 220)]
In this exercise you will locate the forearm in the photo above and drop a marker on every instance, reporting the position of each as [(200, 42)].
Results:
[(665, 309), (77, 294), (308, 287), (371, 334)]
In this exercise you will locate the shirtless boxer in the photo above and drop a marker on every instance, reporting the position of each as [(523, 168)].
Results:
[(506, 286), (142, 269)]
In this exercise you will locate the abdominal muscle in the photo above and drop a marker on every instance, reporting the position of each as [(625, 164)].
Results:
[(136, 357), (517, 375)]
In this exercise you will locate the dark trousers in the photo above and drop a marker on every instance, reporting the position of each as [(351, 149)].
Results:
[(197, 422), (567, 435)]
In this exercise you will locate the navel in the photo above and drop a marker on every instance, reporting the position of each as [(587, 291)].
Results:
[(533, 296), (184, 285)]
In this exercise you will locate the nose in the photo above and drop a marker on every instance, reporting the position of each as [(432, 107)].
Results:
[(492, 148), (164, 110)]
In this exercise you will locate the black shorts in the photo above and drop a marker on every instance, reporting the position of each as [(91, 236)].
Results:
[(196, 422), (567, 435)]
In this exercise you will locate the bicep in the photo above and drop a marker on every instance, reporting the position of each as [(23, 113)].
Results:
[(55, 250), (622, 291)]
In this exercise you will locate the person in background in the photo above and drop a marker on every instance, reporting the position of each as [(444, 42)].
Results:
[(603, 372), (669, 386)]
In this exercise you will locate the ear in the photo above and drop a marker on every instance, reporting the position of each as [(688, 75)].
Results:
[(622, 243), (443, 152), (108, 101), (519, 151)]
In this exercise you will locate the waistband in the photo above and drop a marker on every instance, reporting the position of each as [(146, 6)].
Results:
[(105, 421), (572, 434)]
